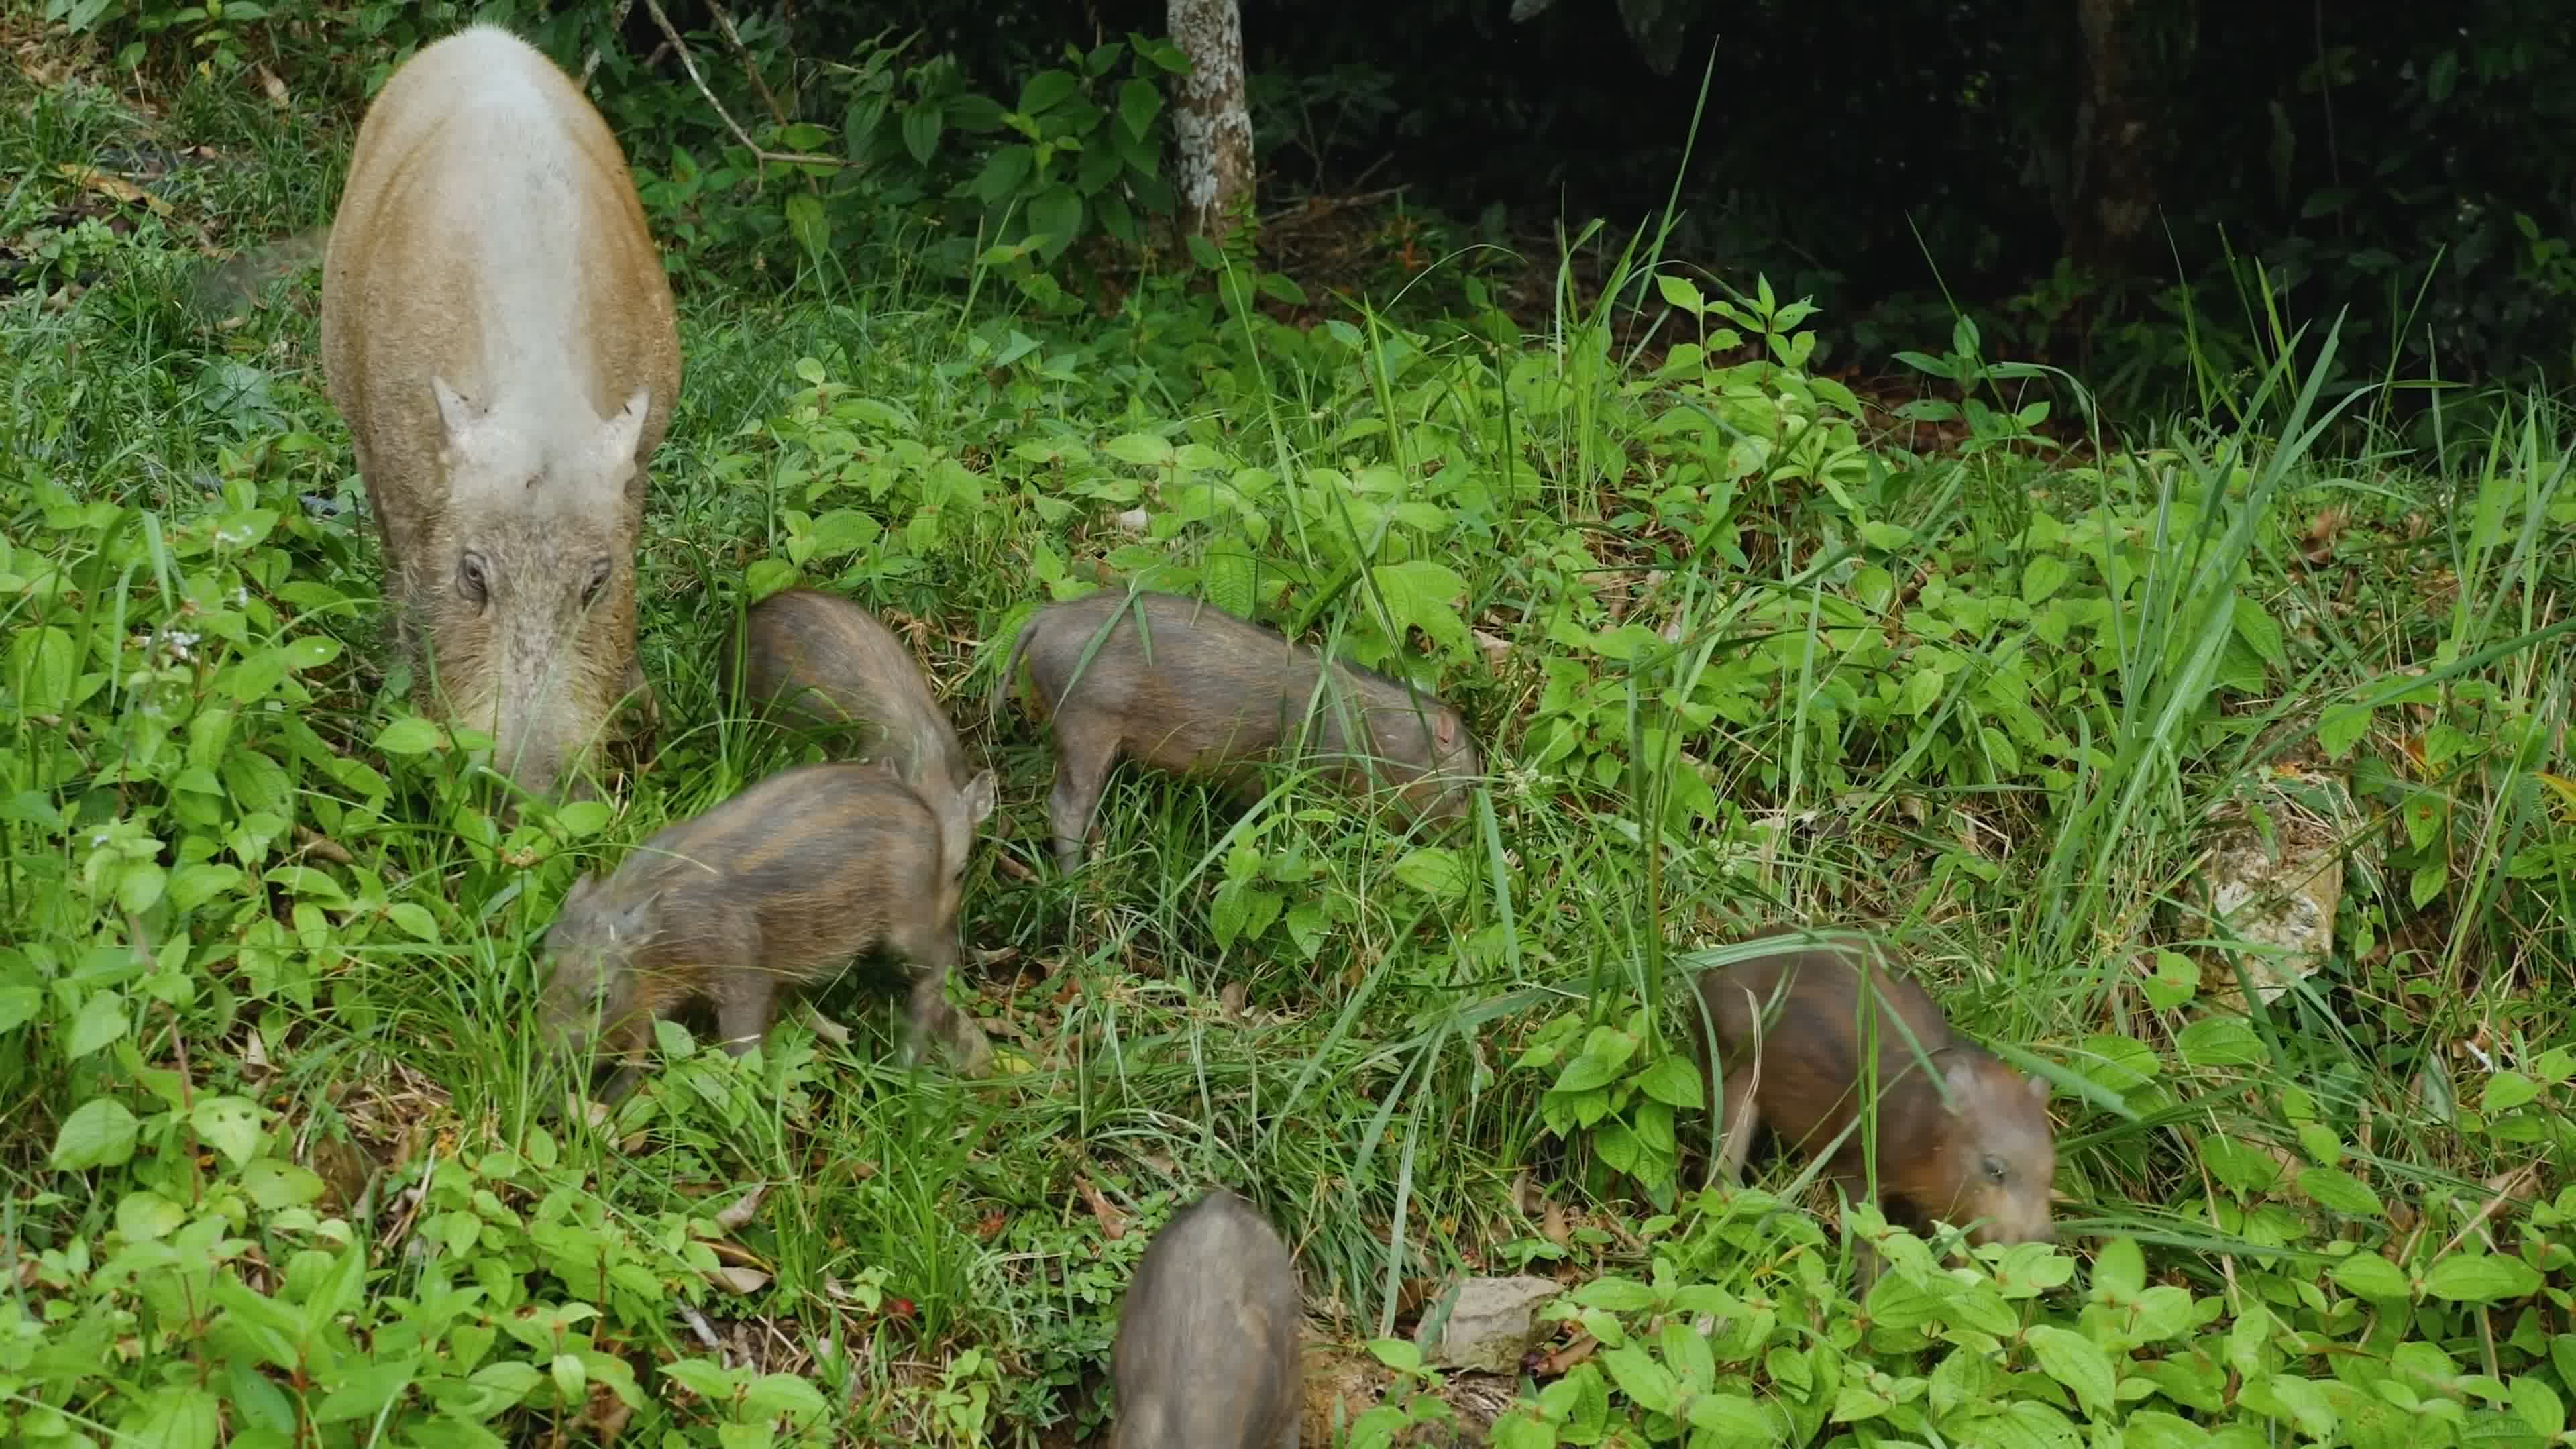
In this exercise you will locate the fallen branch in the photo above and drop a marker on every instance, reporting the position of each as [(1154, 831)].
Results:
[(784, 158)]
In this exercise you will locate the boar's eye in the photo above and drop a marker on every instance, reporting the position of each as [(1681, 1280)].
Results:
[(598, 581), (473, 577), (1996, 1171)]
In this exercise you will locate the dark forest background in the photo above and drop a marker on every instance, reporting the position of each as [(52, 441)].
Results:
[(2152, 194)]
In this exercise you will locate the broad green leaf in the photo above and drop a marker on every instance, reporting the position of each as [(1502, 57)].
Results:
[(2220, 1041), (2341, 729), (312, 651), (230, 1125), (2334, 1189), (1139, 102), (1142, 449), (2466, 1277), (273, 1184), (410, 735), (808, 225), (173, 1416), (2043, 576), (98, 1133), (1434, 870), (2538, 1405), (413, 920), (772, 1395), (2507, 1090), (1679, 292), (102, 1020), (1642, 1379), (2368, 1275), (2078, 1363), (2120, 1270), (1674, 1079), (143, 1217), (366, 1391)]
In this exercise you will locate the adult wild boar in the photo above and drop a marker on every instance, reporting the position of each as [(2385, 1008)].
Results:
[(499, 336)]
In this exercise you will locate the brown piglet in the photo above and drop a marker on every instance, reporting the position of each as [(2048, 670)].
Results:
[(808, 656), (1199, 691), (1207, 1354), (783, 885), (1790, 1029)]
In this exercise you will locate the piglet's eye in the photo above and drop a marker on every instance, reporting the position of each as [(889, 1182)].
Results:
[(1996, 1171)]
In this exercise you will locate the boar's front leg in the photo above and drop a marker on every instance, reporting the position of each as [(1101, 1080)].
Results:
[(1085, 746)]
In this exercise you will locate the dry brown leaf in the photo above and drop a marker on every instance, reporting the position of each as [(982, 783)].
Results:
[(739, 1280), (1554, 1226), (736, 1253), (742, 1209), (115, 188), (1113, 1223), (1555, 1364)]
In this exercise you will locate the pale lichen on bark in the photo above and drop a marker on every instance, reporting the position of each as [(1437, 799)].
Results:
[(1211, 125)]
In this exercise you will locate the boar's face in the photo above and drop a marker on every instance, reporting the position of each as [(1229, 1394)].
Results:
[(531, 589), (592, 988)]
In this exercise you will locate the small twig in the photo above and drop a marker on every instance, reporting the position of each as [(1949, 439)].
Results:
[(788, 158), (590, 62), (742, 53)]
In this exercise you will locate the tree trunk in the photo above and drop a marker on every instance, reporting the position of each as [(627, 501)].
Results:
[(1211, 125), (2120, 135)]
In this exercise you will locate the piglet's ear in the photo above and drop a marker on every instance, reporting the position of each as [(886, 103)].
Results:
[(2038, 1088), (1444, 729)]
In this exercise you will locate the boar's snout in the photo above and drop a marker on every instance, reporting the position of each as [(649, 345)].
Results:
[(533, 645)]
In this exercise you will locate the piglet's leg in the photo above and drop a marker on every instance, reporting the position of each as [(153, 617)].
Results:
[(1084, 747), (1288, 1432), (744, 1000), (1737, 1117)]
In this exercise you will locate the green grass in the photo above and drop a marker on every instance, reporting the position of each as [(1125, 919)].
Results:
[(1749, 666)]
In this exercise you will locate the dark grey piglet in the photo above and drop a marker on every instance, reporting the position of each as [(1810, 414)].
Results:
[(1199, 691), (1207, 1354), (782, 886)]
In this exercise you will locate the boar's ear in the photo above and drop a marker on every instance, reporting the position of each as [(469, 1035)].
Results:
[(619, 434), (979, 798), (582, 886), (456, 416)]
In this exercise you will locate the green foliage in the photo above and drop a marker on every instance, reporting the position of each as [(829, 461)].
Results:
[(1737, 654)]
